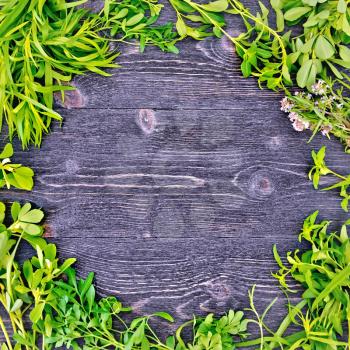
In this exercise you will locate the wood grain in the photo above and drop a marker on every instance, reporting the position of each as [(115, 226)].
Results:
[(161, 173), (205, 75), (173, 178)]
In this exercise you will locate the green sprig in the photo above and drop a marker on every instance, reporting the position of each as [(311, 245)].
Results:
[(43, 44), (12, 174), (321, 169), (324, 272)]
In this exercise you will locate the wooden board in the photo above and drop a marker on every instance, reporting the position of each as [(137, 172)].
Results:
[(173, 178)]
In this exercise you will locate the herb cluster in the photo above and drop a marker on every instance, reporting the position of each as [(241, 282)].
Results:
[(45, 43), (134, 22), (64, 310), (324, 272), (317, 59)]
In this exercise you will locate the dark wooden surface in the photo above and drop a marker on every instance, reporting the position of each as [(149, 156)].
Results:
[(173, 178)]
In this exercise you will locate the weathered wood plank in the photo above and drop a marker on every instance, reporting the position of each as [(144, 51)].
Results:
[(163, 173), (204, 75)]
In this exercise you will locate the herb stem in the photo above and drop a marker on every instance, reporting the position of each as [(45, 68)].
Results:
[(287, 320), (252, 342), (113, 341), (197, 7), (348, 332), (247, 14), (4, 331), (337, 175), (178, 333)]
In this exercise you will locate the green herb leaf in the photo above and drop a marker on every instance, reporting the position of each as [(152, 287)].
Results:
[(216, 6), (33, 216), (296, 13), (306, 74), (7, 152), (323, 48), (37, 312)]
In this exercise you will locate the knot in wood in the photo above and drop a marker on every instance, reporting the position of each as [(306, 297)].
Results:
[(219, 291), (72, 166), (72, 99), (227, 44), (146, 120), (48, 232), (275, 143), (261, 185)]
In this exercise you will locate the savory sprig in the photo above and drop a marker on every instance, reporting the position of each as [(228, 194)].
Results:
[(12, 174), (43, 44)]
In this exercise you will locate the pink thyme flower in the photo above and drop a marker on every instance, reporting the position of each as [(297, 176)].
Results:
[(300, 125), (326, 129), (286, 105), (319, 88), (293, 116)]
